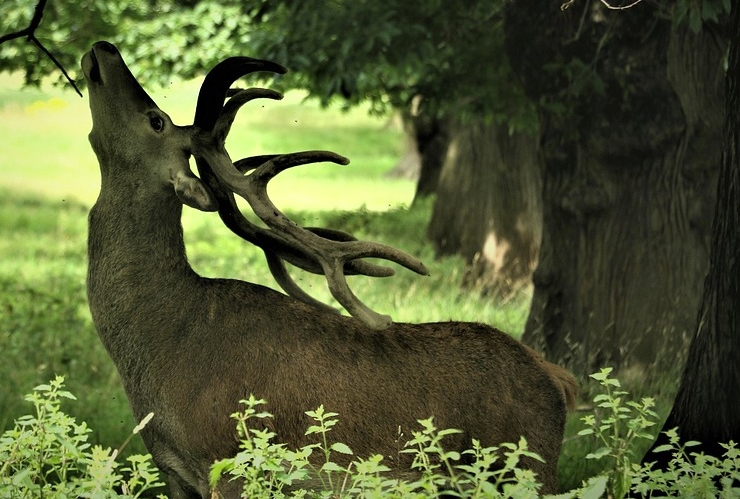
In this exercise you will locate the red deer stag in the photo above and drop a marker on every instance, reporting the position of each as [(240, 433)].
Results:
[(189, 348)]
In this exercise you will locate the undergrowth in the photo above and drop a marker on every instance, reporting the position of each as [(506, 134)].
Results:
[(48, 455)]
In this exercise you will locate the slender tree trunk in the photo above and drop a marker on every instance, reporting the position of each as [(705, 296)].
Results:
[(488, 205), (706, 407), (628, 181), (427, 138), (427, 141)]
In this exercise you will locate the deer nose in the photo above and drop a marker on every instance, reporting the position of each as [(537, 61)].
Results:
[(106, 46)]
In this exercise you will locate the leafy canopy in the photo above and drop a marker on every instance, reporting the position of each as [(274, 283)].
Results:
[(447, 54)]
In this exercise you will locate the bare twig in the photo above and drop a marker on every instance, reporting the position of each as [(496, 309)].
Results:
[(30, 34), (567, 4)]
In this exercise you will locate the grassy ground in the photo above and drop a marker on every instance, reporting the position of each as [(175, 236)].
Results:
[(49, 179), (44, 147)]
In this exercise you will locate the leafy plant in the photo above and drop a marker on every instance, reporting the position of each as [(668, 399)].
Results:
[(271, 470), (617, 426), (48, 455), (690, 474)]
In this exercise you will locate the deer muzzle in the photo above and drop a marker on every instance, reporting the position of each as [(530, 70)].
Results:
[(106, 71)]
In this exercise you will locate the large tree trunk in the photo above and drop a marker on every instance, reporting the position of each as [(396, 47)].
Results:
[(706, 407), (427, 138), (488, 205), (628, 181), (431, 136)]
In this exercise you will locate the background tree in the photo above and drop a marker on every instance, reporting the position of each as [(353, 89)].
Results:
[(631, 110), (443, 67), (705, 409)]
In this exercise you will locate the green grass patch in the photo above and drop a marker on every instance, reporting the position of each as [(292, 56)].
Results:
[(43, 139)]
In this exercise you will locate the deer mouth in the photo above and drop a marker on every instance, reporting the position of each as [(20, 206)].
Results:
[(91, 68)]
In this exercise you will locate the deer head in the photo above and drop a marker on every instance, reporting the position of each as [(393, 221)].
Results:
[(124, 113)]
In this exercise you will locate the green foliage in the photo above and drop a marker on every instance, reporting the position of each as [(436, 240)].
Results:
[(699, 12), (270, 470), (690, 474), (451, 53), (67, 29), (617, 424), (48, 455)]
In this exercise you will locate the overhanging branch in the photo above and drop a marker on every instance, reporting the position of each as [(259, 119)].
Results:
[(30, 33)]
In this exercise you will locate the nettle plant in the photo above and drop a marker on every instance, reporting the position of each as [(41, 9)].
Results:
[(269, 469), (48, 455), (617, 423)]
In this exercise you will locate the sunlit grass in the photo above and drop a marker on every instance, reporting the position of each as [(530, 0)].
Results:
[(43, 139)]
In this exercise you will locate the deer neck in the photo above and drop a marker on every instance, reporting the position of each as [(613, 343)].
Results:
[(138, 273)]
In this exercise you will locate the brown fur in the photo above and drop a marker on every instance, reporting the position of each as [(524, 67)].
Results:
[(188, 348)]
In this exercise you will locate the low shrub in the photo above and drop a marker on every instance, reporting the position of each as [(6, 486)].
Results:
[(48, 455)]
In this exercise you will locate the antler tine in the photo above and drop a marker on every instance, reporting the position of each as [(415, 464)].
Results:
[(332, 255), (233, 219), (282, 277), (254, 189), (217, 83), (232, 106)]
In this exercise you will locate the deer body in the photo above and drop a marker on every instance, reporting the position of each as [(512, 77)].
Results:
[(189, 348)]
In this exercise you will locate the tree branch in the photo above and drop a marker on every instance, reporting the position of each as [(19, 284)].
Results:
[(30, 33), (607, 4)]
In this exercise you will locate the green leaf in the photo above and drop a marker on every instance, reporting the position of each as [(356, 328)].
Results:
[(341, 448), (604, 451), (218, 469), (330, 467), (314, 429), (21, 476), (595, 487)]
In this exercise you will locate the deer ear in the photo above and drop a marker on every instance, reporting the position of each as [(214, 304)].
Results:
[(193, 192)]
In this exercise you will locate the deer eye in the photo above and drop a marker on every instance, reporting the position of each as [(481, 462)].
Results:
[(157, 123)]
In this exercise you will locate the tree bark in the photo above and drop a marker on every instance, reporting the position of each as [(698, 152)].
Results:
[(628, 181), (427, 141), (706, 406), (488, 205)]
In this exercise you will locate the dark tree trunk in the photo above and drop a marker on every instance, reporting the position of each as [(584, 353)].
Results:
[(706, 407), (426, 146), (488, 205), (628, 180), (432, 138)]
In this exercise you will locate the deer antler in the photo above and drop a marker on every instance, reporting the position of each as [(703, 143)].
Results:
[(332, 253)]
